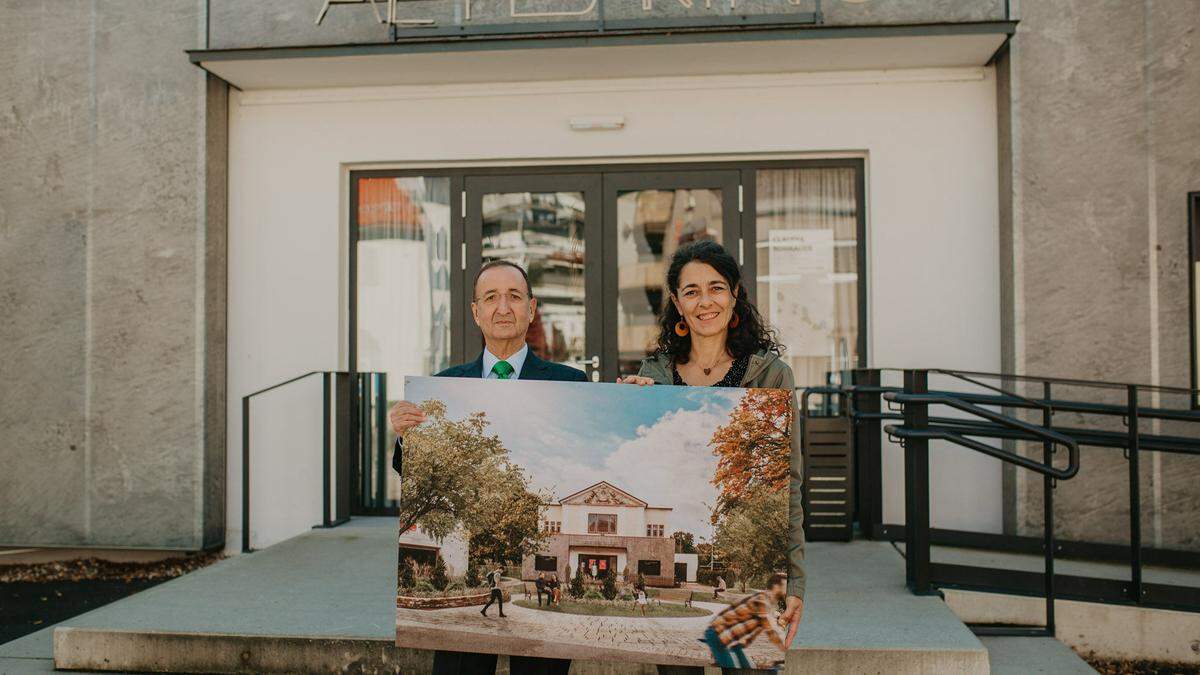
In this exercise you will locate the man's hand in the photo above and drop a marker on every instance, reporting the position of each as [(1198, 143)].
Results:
[(635, 379), (404, 416), (790, 618)]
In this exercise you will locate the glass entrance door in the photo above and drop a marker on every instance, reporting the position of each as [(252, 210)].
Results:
[(550, 225), (647, 216), (595, 566), (596, 241)]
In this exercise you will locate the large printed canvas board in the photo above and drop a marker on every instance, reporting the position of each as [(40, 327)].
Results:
[(631, 504)]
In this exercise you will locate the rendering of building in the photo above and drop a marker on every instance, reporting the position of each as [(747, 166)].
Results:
[(605, 530)]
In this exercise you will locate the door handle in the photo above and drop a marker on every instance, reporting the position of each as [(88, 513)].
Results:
[(595, 369)]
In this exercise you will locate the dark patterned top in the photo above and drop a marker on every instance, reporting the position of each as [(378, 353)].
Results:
[(733, 378)]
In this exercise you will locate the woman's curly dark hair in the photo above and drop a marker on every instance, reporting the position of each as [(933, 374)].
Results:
[(748, 337)]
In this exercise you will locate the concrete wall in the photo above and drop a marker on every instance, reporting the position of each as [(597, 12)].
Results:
[(238, 24), (1103, 130), (112, 277)]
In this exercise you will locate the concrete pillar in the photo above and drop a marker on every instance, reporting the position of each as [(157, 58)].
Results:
[(112, 278)]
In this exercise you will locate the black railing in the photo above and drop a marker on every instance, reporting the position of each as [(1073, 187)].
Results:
[(332, 514), (371, 464), (871, 404), (915, 434)]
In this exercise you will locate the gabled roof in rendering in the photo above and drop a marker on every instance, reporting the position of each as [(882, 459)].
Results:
[(603, 493)]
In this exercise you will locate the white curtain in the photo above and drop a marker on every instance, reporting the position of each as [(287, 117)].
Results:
[(807, 241)]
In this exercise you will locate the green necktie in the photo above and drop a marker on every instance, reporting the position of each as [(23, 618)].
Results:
[(503, 370)]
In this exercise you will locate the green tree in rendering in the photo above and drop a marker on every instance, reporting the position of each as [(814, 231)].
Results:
[(438, 576), (406, 577), (685, 542), (471, 578), (608, 586), (752, 535), (504, 523), (457, 475), (575, 589)]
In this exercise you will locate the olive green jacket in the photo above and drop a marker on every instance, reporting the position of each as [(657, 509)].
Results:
[(767, 371)]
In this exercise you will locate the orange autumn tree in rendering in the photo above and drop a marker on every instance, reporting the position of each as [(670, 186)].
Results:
[(754, 448), (753, 451)]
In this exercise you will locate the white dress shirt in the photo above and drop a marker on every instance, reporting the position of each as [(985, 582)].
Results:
[(516, 361)]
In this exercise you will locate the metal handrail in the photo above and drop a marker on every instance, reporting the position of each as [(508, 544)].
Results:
[(992, 387), (1182, 445), (984, 419), (842, 392), (1057, 405), (1075, 382), (1041, 433), (327, 520)]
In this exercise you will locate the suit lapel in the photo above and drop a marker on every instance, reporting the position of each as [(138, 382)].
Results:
[(474, 368), (533, 368)]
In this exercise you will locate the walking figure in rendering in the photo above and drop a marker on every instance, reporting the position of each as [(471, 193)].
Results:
[(738, 625), (541, 588), (497, 595)]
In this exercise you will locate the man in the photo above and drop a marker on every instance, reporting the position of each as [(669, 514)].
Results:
[(497, 594), (502, 305), (540, 584), (738, 625)]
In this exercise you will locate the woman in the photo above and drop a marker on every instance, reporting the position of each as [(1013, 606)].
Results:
[(710, 335), (641, 600)]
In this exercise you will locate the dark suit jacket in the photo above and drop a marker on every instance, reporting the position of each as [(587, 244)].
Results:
[(533, 369)]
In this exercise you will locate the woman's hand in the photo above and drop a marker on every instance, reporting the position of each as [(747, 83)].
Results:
[(404, 416), (790, 618), (635, 379)]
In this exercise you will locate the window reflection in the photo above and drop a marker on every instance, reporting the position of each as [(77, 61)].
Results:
[(402, 294), (651, 225), (544, 233)]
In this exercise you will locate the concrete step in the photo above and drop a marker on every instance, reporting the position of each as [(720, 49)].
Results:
[(1117, 632), (1033, 656), (325, 601)]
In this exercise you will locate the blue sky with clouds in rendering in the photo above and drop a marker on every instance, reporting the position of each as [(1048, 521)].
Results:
[(649, 441)]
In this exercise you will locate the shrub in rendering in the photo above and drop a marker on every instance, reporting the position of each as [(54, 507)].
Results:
[(438, 576)]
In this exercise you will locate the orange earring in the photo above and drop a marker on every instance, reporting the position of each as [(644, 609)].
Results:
[(733, 323), (681, 328)]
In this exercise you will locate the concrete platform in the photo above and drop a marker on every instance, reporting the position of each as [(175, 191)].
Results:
[(324, 601), (1034, 656)]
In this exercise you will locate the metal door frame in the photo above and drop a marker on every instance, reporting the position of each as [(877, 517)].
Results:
[(741, 243), (615, 183), (474, 187)]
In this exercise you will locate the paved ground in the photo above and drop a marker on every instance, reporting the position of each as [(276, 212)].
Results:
[(1033, 656), (643, 639)]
